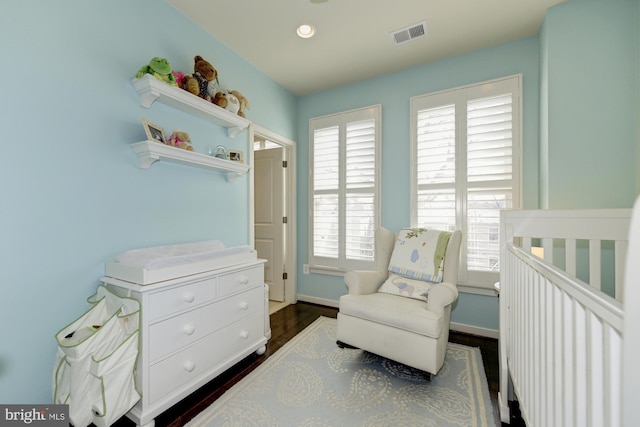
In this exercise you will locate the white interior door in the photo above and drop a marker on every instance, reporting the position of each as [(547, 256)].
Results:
[(269, 214)]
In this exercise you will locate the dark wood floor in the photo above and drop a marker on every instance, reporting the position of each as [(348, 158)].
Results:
[(285, 324)]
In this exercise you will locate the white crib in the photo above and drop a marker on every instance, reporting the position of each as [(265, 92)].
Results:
[(561, 346)]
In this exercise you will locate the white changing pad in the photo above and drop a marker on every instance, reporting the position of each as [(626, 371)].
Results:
[(159, 263)]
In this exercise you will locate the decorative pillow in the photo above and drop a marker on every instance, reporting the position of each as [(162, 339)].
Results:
[(398, 285), (419, 254)]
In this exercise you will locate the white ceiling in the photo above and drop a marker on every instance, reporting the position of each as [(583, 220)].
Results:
[(353, 40)]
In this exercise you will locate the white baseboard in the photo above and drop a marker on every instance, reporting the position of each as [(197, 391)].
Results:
[(475, 330), (454, 326), (316, 300)]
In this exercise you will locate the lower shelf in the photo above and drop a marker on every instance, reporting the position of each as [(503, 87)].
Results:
[(149, 152)]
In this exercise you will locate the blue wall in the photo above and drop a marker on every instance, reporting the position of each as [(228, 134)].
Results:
[(393, 92), (589, 107), (579, 131), (72, 195)]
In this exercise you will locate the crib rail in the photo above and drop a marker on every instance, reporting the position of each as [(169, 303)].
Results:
[(559, 234), (560, 337)]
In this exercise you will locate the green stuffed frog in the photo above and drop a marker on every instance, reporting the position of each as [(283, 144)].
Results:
[(160, 69)]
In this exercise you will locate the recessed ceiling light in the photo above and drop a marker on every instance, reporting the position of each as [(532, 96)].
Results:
[(306, 31)]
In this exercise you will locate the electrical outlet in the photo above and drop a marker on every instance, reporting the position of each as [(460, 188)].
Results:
[(305, 269)]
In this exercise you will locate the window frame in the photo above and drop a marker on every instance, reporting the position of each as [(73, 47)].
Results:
[(471, 281), (341, 265)]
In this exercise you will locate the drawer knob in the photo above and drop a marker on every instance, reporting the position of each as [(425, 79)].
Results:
[(244, 305), (189, 329), (189, 366), (244, 280), (189, 297), (244, 335)]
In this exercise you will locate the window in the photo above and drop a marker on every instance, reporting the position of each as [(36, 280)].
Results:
[(344, 184), (465, 167)]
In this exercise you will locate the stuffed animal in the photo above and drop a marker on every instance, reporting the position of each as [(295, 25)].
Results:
[(160, 69), (203, 76), (220, 99), (227, 100), (179, 77), (180, 139), (243, 102)]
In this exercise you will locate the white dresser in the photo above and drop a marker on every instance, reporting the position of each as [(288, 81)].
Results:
[(192, 329)]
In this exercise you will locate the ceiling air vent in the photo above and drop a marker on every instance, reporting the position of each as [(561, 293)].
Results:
[(409, 33)]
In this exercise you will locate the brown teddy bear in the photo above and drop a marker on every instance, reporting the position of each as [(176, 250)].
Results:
[(220, 99), (203, 76)]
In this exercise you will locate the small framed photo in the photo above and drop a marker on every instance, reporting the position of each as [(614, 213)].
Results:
[(235, 156), (154, 132)]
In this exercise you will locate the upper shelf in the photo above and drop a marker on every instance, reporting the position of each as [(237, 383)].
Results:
[(151, 89), (149, 151)]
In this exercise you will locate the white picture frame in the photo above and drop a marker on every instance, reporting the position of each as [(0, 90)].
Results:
[(154, 132)]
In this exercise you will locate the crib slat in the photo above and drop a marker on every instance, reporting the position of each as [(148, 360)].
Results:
[(580, 365), (568, 362), (612, 376), (548, 392), (558, 339), (595, 267), (595, 385), (620, 258)]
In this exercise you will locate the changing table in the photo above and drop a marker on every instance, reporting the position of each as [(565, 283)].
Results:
[(193, 328)]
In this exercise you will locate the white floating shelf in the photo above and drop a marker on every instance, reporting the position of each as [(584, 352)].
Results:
[(149, 152), (151, 89)]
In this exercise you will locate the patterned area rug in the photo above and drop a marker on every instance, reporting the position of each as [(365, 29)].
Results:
[(311, 382)]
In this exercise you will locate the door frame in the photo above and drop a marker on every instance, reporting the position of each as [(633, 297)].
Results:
[(290, 243)]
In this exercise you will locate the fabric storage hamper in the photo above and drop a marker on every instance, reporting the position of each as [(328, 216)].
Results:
[(95, 362)]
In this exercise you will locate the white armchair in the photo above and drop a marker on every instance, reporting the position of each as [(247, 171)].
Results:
[(407, 330)]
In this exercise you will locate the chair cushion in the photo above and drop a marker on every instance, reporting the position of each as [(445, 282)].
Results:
[(398, 312), (419, 254), (405, 287)]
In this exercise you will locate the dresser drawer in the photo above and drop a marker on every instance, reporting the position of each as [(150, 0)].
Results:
[(180, 331), (204, 357), (240, 280), (183, 297)]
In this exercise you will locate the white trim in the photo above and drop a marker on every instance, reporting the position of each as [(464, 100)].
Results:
[(319, 301), (474, 330), (337, 266), (291, 258)]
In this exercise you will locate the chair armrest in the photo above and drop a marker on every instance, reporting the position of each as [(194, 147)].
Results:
[(440, 296), (362, 282)]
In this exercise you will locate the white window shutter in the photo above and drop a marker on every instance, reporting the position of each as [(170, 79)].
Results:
[(436, 167), (489, 177), (360, 171), (345, 189), (326, 184), (466, 168)]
